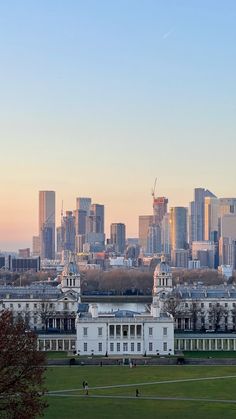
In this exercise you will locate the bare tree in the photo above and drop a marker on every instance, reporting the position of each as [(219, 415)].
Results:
[(195, 314), (21, 371), (215, 314), (172, 305)]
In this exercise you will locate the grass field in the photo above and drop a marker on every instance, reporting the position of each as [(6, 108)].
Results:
[(196, 392)]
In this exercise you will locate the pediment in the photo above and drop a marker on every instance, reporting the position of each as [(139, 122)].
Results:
[(68, 296)]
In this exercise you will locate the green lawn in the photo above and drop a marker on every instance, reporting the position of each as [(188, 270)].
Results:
[(71, 405), (56, 355), (210, 354)]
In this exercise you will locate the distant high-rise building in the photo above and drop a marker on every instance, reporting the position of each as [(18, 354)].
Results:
[(154, 239), (211, 221), (68, 231), (80, 221), (83, 204), (197, 207), (159, 209), (80, 228), (205, 252), (36, 246), (227, 206), (227, 243), (117, 237), (165, 234), (144, 222), (24, 253), (179, 258), (60, 235), (178, 222), (97, 211), (47, 224)]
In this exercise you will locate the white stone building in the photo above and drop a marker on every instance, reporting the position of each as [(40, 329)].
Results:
[(125, 332), (47, 309)]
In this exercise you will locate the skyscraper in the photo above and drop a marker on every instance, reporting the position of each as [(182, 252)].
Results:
[(227, 244), (97, 211), (178, 222), (68, 231), (144, 222), (117, 237), (154, 239), (197, 228), (165, 234), (211, 219), (47, 224), (83, 204), (159, 209)]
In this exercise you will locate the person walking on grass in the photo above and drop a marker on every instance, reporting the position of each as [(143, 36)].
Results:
[(86, 388), (137, 392)]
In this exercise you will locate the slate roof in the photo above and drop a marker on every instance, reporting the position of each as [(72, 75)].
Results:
[(33, 291)]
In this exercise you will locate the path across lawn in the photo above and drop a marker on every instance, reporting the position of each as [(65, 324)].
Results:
[(54, 392)]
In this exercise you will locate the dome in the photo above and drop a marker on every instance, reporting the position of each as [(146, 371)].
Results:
[(162, 267), (70, 269)]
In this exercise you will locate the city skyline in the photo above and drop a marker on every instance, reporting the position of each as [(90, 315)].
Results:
[(14, 246), (99, 98)]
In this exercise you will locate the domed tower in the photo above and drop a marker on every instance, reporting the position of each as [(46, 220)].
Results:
[(71, 278), (162, 278)]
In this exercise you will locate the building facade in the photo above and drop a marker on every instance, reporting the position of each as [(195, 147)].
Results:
[(118, 237), (47, 210)]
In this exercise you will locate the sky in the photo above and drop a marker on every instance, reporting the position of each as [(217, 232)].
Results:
[(100, 97)]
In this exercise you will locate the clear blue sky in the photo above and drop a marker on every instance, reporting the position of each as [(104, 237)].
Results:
[(100, 97)]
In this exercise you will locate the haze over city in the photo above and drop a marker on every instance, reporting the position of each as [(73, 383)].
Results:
[(99, 98)]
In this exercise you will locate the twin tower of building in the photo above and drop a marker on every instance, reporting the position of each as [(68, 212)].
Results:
[(162, 279)]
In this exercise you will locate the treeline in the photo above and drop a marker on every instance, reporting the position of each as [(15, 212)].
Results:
[(118, 280)]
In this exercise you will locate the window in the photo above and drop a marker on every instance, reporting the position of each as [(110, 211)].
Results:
[(164, 346), (150, 347), (111, 330), (118, 330), (139, 330), (164, 331), (111, 347), (132, 330), (35, 305), (132, 347), (125, 347), (226, 304), (85, 346), (99, 331), (234, 304), (19, 305), (150, 329), (186, 305), (27, 305), (85, 331), (125, 330), (202, 305), (118, 347), (100, 347), (210, 305), (138, 346), (11, 305)]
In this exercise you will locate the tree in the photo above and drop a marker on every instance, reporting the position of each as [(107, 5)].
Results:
[(172, 305), (21, 371), (195, 314), (216, 313)]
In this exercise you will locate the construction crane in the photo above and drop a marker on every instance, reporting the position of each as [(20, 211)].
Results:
[(154, 188)]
